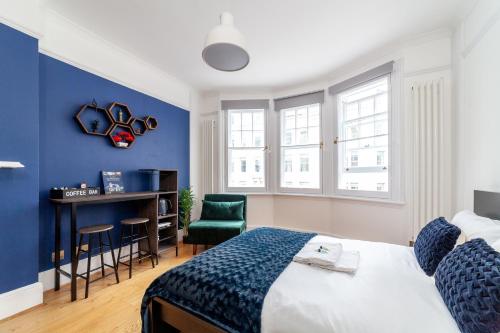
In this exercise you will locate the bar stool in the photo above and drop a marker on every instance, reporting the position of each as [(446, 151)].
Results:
[(91, 231), (135, 238)]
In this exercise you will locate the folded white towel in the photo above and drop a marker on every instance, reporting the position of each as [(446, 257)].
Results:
[(348, 262), (319, 254)]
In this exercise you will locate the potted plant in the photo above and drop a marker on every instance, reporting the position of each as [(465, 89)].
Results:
[(186, 203)]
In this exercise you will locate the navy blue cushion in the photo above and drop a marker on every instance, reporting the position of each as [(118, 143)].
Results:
[(433, 242), (468, 279)]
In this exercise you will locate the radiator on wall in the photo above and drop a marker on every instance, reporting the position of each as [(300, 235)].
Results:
[(431, 144), (207, 146)]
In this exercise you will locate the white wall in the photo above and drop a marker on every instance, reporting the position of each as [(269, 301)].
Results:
[(477, 136), (424, 56)]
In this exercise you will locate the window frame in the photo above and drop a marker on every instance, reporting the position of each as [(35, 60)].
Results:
[(385, 195), (225, 153), (299, 190)]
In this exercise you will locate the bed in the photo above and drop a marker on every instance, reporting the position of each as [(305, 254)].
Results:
[(250, 284)]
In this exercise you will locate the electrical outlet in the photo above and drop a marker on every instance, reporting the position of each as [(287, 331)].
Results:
[(61, 255)]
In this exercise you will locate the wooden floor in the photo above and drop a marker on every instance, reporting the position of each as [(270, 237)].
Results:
[(110, 307)]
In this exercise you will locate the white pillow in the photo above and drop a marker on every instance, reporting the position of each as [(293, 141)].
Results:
[(471, 223), (496, 245), (474, 226)]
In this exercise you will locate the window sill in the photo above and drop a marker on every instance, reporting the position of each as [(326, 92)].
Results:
[(322, 196)]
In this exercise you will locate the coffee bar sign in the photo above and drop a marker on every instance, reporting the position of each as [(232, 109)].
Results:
[(74, 192)]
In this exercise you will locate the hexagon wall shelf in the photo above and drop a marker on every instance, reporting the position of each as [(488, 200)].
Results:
[(120, 113), (139, 126), (151, 122), (122, 136), (94, 120), (116, 122)]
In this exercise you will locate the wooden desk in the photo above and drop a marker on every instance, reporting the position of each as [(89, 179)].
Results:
[(149, 210)]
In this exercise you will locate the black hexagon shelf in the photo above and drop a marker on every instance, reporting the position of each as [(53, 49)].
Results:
[(120, 113), (139, 126), (151, 122), (94, 120), (122, 136)]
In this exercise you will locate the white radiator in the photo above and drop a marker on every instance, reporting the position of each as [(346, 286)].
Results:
[(207, 147), (431, 152)]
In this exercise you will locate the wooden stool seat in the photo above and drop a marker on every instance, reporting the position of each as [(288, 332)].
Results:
[(133, 221), (94, 229), (141, 234)]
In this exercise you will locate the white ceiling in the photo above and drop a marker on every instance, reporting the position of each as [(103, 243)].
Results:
[(289, 41)]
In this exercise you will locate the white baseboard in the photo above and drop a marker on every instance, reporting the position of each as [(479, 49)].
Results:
[(47, 277), (20, 299)]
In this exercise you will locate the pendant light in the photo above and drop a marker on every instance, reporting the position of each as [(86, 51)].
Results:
[(225, 46)]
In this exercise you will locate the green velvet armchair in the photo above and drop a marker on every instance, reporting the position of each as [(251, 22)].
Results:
[(216, 225)]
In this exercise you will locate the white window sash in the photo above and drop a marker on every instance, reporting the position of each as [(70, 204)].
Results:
[(358, 193), (300, 190), (225, 153)]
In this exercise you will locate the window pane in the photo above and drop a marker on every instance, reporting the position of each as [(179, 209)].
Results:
[(245, 168), (301, 118), (235, 120), (289, 119), (313, 134), (363, 121), (258, 121), (258, 138), (314, 115), (235, 139), (246, 139), (289, 137), (300, 167), (246, 121)]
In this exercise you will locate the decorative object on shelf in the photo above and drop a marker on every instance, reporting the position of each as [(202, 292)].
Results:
[(91, 116), (151, 123), (120, 113), (186, 202), (10, 165), (83, 185), (139, 126), (116, 122), (66, 193), (122, 136), (164, 206), (94, 125), (225, 48), (112, 182)]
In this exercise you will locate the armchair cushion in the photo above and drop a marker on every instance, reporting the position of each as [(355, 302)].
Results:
[(214, 231), (213, 210)]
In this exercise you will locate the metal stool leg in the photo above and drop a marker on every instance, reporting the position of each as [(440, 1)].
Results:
[(89, 254), (79, 250), (119, 248), (115, 264), (130, 255), (149, 245), (102, 254)]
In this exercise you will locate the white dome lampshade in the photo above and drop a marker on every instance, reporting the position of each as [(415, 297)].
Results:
[(225, 46)]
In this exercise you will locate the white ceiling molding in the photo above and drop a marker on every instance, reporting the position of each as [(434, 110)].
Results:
[(73, 44), (480, 20)]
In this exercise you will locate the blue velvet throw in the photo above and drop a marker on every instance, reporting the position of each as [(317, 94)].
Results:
[(227, 284)]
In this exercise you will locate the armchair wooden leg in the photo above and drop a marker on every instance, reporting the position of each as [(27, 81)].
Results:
[(194, 249)]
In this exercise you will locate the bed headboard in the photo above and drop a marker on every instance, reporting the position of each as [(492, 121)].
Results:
[(487, 204)]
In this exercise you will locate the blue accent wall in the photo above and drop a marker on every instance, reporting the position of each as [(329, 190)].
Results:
[(18, 142), (68, 156)]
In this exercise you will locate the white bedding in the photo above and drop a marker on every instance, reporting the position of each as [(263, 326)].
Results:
[(388, 293)]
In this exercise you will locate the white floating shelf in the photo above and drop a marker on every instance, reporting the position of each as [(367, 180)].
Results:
[(10, 165)]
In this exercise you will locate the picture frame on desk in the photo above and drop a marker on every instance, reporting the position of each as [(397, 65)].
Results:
[(112, 182)]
